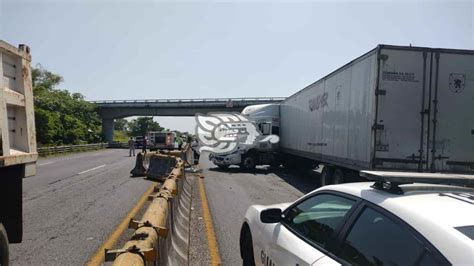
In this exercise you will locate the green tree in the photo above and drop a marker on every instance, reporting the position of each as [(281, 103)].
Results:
[(43, 78), (120, 124), (62, 117), (121, 136), (142, 125), (48, 127)]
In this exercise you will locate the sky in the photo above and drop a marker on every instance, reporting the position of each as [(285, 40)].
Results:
[(124, 50)]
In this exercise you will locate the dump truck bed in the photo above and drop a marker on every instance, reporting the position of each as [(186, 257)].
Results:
[(17, 127)]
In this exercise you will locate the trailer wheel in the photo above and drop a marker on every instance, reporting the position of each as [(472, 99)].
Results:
[(248, 163), (326, 176), (289, 162), (338, 176), (305, 165), (3, 246)]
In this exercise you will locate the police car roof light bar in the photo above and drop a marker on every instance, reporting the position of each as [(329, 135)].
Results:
[(382, 178)]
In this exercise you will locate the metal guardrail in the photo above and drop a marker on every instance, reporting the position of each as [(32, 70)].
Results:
[(203, 100), (71, 148), (117, 145)]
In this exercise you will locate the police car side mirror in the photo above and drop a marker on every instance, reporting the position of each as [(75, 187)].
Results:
[(270, 216)]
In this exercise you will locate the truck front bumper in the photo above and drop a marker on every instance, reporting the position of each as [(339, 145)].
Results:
[(231, 159)]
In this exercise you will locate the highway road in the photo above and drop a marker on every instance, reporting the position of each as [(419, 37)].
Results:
[(231, 192), (73, 204), (76, 201)]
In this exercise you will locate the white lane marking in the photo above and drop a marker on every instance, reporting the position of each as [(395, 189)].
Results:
[(92, 169), (41, 164)]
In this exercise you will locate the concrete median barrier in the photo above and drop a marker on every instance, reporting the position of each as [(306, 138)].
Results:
[(180, 222), (161, 236), (160, 166), (139, 169)]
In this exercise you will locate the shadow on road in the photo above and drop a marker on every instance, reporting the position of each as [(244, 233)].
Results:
[(237, 170), (304, 181)]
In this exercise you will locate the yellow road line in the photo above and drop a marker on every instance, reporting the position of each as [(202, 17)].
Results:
[(99, 256), (211, 235)]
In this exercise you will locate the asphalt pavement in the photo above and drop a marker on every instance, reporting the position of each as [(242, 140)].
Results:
[(72, 204), (230, 192), (75, 201)]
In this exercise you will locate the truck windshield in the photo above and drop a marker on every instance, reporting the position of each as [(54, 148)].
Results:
[(265, 128)]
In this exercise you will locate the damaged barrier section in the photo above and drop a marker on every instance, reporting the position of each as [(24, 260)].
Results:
[(161, 236), (158, 165)]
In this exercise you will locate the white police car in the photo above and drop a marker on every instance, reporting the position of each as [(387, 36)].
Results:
[(389, 222)]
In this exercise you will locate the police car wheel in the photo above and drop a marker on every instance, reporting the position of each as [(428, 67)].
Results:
[(247, 249)]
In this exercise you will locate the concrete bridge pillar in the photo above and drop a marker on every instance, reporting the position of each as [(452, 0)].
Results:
[(108, 129)]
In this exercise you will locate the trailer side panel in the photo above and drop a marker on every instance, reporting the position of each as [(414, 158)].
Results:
[(330, 120), (398, 108)]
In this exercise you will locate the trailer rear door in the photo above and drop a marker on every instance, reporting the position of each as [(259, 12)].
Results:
[(400, 127), (425, 110), (451, 144)]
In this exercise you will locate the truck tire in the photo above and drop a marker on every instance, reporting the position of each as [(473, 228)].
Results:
[(338, 176), (11, 191), (3, 246), (275, 164), (326, 176), (223, 167), (248, 162)]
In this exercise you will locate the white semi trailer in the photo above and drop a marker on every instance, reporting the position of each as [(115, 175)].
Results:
[(395, 107)]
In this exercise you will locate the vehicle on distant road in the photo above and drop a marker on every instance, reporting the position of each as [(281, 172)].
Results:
[(17, 141), (161, 140), (390, 222), (138, 142)]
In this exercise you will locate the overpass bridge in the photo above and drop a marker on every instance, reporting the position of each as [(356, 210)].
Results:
[(113, 109)]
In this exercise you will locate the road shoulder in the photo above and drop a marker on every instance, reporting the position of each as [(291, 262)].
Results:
[(198, 243)]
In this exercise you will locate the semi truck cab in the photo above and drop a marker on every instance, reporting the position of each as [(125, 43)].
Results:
[(266, 118)]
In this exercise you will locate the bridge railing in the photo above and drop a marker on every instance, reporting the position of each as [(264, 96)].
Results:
[(270, 99)]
